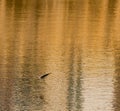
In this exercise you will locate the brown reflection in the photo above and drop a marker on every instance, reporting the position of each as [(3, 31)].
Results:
[(6, 86), (2, 40), (109, 25), (11, 64), (115, 10), (74, 85), (112, 7), (71, 91), (30, 92), (6, 94), (117, 79), (96, 23), (12, 41), (74, 21), (21, 91)]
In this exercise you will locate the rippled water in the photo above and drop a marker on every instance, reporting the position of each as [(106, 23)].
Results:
[(77, 41)]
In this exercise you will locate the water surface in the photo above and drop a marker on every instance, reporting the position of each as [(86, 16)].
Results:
[(77, 41)]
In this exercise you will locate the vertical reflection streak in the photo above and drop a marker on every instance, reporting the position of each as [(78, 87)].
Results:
[(2, 40), (115, 10), (74, 17), (71, 91)]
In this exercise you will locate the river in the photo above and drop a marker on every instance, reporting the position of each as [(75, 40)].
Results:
[(77, 41)]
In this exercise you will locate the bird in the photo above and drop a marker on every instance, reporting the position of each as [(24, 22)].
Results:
[(44, 75)]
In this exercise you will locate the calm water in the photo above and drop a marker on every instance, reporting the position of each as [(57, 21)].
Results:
[(78, 41)]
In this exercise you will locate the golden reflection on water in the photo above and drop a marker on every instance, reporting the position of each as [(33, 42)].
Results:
[(77, 41)]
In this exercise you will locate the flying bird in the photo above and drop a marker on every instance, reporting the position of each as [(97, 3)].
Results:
[(44, 75)]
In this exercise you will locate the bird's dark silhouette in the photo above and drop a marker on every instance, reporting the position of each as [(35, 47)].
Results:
[(44, 75)]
